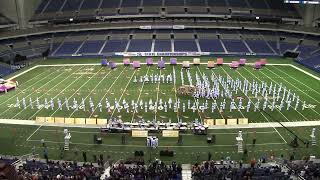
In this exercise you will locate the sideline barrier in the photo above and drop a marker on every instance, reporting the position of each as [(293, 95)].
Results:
[(138, 133), (170, 133)]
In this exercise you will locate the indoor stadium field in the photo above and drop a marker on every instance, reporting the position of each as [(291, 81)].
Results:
[(87, 78), (160, 89)]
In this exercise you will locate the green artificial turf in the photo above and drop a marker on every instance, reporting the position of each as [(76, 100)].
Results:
[(97, 82)]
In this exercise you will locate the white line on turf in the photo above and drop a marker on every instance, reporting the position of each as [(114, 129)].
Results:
[(27, 86), (307, 73), (97, 64), (296, 80), (175, 87), (96, 132), (259, 111), (22, 73), (124, 90), (107, 91), (140, 94), (143, 146), (200, 117), (76, 90), (156, 108), (34, 92), (92, 90), (63, 102), (222, 86), (291, 84), (48, 91), (277, 84)]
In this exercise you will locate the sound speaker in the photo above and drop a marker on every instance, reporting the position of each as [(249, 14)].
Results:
[(291, 54), (99, 140), (138, 153)]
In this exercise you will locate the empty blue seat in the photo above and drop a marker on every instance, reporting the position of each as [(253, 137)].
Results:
[(71, 5), (235, 46), (68, 48), (130, 3), (162, 45), (284, 46), (259, 46), (140, 45), (110, 4), (186, 45), (152, 3), (90, 4), (305, 50), (54, 6), (174, 3), (115, 46), (210, 45), (91, 47)]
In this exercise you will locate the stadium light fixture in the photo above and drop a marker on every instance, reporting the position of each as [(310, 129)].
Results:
[(257, 18), (71, 19)]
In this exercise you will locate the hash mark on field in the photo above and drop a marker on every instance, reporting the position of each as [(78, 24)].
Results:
[(108, 91), (260, 111), (140, 94), (76, 90), (123, 92), (30, 95), (28, 86), (92, 90)]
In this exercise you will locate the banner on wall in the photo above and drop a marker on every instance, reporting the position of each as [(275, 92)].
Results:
[(129, 54)]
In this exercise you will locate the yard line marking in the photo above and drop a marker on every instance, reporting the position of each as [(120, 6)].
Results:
[(76, 90), (23, 72), (139, 95), (93, 90), (123, 92), (269, 101), (197, 106), (108, 90), (156, 108), (63, 102), (259, 110), (293, 85), (296, 80), (144, 146), (95, 132), (222, 87), (33, 92), (307, 73), (28, 86), (48, 91), (175, 87)]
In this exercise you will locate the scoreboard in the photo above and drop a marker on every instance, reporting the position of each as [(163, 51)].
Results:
[(302, 1)]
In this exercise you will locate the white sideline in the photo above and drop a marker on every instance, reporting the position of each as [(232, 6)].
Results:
[(248, 126), (96, 64)]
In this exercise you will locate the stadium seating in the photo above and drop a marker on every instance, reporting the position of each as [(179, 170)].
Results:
[(140, 45), (86, 9), (5, 70), (156, 170), (235, 46), (259, 47), (58, 170), (212, 170), (115, 46), (185, 45), (162, 45), (312, 62), (91, 47), (211, 45)]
